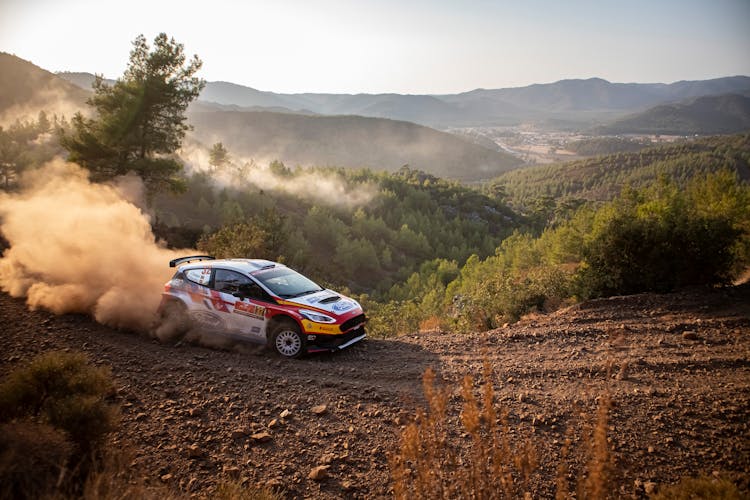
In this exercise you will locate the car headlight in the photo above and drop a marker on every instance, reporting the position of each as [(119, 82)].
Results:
[(317, 317)]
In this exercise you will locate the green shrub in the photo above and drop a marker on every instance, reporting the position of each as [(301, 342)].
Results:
[(659, 240), (65, 391)]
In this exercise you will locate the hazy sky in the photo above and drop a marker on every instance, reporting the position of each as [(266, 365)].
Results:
[(405, 46)]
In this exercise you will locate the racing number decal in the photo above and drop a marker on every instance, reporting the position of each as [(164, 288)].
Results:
[(205, 276), (251, 310)]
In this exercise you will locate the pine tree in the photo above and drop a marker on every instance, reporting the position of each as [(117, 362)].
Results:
[(140, 119)]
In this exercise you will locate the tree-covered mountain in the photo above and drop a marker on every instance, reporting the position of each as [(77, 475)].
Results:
[(603, 177), (715, 114), (351, 141)]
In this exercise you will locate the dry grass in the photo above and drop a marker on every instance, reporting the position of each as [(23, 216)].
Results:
[(434, 463), (476, 456), (233, 490)]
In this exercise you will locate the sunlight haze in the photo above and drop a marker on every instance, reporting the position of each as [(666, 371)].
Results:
[(387, 46)]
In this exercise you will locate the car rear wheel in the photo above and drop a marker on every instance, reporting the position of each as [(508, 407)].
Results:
[(287, 340), (175, 322)]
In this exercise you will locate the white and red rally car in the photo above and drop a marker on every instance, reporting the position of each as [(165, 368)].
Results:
[(261, 301)]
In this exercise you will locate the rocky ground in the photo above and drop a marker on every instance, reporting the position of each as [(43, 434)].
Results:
[(677, 367)]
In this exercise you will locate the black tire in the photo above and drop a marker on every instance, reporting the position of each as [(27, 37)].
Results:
[(287, 340), (174, 322)]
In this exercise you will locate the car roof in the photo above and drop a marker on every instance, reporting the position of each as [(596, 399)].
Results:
[(241, 265)]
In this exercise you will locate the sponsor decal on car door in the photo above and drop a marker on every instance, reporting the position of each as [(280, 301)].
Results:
[(250, 317), (244, 316)]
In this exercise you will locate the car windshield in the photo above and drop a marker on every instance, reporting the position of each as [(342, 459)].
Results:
[(286, 283)]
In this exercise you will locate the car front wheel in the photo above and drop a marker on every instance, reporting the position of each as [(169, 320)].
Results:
[(287, 340)]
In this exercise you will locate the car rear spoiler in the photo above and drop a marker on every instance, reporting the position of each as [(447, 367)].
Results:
[(182, 260)]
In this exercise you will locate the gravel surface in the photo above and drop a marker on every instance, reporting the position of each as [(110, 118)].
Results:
[(677, 367)]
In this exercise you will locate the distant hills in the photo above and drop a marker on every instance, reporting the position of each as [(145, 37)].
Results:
[(580, 101), (572, 102), (25, 89), (353, 141), (707, 115), (294, 138)]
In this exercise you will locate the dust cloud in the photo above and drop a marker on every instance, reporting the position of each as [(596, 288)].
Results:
[(52, 101), (316, 186), (76, 246)]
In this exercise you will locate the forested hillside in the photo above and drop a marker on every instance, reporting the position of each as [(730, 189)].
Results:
[(599, 146), (368, 231), (603, 177)]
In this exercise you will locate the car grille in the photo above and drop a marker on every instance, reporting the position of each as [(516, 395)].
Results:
[(351, 323)]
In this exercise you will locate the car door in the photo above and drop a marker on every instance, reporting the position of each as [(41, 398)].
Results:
[(244, 316), (205, 307)]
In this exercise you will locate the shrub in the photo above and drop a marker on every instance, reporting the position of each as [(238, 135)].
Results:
[(664, 238), (33, 457), (65, 391)]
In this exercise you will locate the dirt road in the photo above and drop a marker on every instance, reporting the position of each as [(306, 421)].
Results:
[(677, 367)]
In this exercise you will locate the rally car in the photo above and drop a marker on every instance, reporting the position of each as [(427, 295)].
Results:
[(261, 301)]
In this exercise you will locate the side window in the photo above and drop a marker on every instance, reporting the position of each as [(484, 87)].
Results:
[(254, 291), (229, 281), (201, 276)]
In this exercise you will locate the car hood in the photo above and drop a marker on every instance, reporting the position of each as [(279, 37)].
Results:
[(327, 300)]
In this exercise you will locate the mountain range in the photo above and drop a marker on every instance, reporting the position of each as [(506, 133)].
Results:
[(577, 102), (386, 131), (264, 133)]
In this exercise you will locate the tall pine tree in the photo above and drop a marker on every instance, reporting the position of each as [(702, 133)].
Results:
[(139, 120)]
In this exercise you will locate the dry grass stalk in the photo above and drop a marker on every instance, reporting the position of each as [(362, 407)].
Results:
[(600, 467), (432, 463)]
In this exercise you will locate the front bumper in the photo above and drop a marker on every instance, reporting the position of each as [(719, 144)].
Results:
[(330, 343)]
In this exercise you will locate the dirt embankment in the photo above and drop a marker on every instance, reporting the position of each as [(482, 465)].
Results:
[(677, 367)]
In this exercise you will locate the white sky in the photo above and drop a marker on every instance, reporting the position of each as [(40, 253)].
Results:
[(404, 46)]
